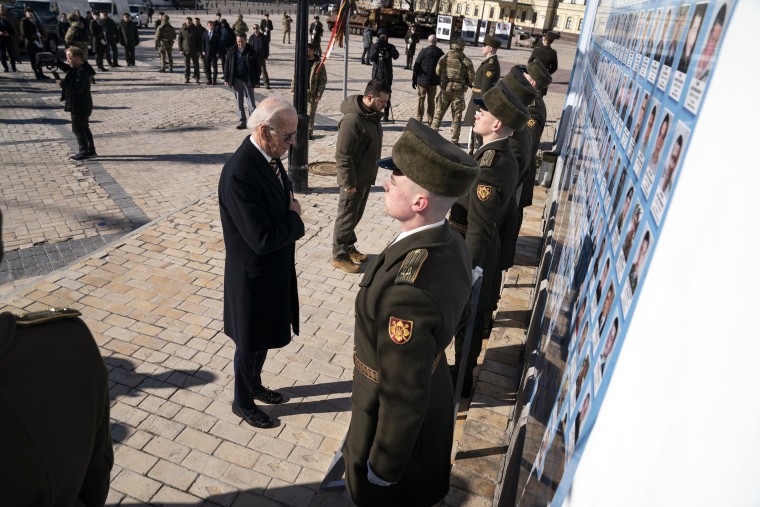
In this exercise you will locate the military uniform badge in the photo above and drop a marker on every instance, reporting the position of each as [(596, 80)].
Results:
[(484, 192), (400, 330), (532, 123), (489, 73)]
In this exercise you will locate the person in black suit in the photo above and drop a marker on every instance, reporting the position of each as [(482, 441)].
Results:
[(267, 27), (210, 48), (241, 73), (66, 461), (261, 221)]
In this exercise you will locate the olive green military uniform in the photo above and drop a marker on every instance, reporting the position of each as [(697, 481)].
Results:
[(54, 411), (406, 314), (76, 35), (317, 84), (486, 77), (479, 216), (457, 74), (165, 36), (240, 27)]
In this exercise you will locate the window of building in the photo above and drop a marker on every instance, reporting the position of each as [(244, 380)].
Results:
[(490, 13), (467, 10), (569, 23), (580, 24), (512, 14), (501, 12), (535, 18), (556, 20), (459, 8), (475, 13), (523, 15)]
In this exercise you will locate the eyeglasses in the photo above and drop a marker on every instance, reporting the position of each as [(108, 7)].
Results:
[(285, 137)]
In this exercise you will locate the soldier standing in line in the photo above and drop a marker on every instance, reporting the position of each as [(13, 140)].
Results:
[(286, 22), (315, 31), (539, 77), (266, 27), (457, 74), (190, 46), (165, 36), (411, 39), (98, 40), (486, 76), (546, 53), (240, 27), (129, 38), (398, 446), (110, 33), (316, 85), (479, 214), (76, 35), (32, 33), (69, 462)]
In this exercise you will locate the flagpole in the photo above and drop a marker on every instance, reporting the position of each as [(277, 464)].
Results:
[(345, 54)]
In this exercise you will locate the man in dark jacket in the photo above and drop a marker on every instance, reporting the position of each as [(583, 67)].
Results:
[(315, 32), (190, 37), (97, 40), (241, 73), (111, 32), (381, 54), (266, 27), (367, 35), (412, 38), (78, 100), (479, 214), (546, 53), (210, 48), (33, 35), (360, 139), (129, 38), (261, 222), (425, 79), (7, 35), (260, 45), (398, 446), (69, 462)]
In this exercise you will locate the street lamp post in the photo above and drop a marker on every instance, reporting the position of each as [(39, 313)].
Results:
[(298, 168)]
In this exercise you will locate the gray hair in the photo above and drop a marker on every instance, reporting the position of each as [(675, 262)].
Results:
[(269, 111), (432, 40)]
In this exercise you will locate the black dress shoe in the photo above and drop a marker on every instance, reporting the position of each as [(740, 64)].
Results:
[(92, 153), (253, 416), (240, 126), (267, 396), (78, 156)]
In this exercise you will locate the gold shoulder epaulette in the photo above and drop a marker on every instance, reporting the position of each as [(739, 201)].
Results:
[(45, 316), (487, 159), (411, 266)]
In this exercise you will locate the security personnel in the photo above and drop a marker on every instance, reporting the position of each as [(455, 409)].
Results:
[(398, 447), (98, 40), (486, 77), (457, 74), (56, 445), (34, 38), (479, 214), (316, 85), (546, 53), (540, 78), (165, 36)]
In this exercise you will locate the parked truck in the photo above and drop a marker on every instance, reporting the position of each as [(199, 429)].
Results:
[(396, 21)]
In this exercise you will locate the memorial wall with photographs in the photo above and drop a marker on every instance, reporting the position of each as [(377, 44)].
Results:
[(638, 83)]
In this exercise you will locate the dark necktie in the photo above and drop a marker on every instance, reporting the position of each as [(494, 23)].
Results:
[(275, 163)]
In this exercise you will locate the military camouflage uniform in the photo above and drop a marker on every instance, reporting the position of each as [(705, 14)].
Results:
[(165, 36), (317, 83), (240, 28), (457, 73)]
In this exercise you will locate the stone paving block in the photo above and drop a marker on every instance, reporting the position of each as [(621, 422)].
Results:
[(161, 427), (168, 496), (170, 473), (214, 491), (310, 458), (233, 432), (237, 454), (167, 449), (135, 485), (287, 493), (271, 444), (277, 468), (246, 479)]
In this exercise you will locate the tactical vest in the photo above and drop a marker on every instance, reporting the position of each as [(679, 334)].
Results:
[(456, 72)]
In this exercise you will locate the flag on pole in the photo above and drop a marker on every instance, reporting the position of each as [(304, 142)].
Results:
[(337, 31)]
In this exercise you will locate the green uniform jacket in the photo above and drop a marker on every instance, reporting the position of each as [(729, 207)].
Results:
[(486, 77), (360, 139), (317, 81), (190, 39), (520, 145), (165, 31), (406, 313), (54, 407), (536, 128)]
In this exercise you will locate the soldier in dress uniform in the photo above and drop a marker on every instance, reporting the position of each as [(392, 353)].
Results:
[(486, 77), (457, 74), (546, 53), (479, 214), (398, 446), (56, 445), (540, 78)]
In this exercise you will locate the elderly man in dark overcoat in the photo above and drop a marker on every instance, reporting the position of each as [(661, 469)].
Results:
[(261, 222), (398, 446)]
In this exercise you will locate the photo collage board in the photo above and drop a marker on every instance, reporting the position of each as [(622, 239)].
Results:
[(641, 82)]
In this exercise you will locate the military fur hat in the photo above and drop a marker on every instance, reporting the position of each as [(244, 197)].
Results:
[(73, 17), (540, 75), (551, 36), (504, 105), (491, 41), (431, 161), (520, 86)]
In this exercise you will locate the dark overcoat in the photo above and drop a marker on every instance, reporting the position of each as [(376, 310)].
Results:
[(486, 77), (407, 311), (520, 143), (260, 231)]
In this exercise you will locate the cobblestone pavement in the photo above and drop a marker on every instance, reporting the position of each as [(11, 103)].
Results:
[(133, 240)]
